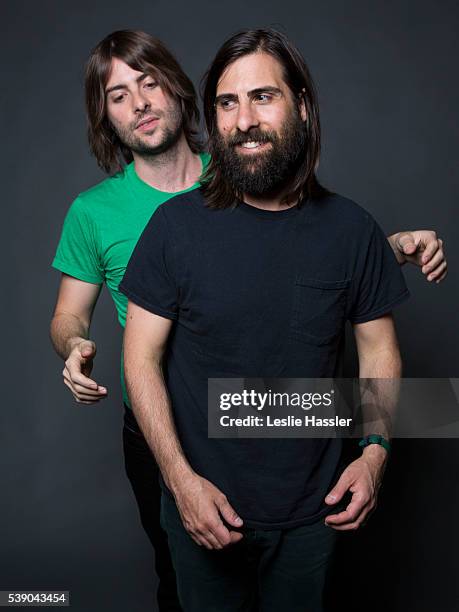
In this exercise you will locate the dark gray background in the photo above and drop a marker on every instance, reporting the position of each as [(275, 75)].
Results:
[(387, 81)]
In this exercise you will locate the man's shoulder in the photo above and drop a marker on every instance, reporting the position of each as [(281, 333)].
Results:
[(104, 193), (341, 210), (175, 215)]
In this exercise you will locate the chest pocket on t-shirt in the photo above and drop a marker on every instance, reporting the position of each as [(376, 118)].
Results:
[(319, 310)]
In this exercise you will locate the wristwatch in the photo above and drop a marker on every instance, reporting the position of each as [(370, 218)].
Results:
[(375, 439)]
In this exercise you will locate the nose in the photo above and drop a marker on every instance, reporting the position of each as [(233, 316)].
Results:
[(140, 102), (246, 116)]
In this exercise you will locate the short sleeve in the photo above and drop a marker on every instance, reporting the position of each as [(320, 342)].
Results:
[(77, 251), (378, 284), (149, 280)]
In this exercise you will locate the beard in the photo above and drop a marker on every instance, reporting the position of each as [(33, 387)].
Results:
[(259, 174), (170, 134)]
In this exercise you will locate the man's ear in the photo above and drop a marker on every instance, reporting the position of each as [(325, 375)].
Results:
[(302, 107)]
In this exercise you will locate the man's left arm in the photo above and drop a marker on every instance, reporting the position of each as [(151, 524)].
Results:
[(379, 359), (422, 248)]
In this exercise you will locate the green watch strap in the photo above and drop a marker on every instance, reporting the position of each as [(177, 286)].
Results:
[(375, 439)]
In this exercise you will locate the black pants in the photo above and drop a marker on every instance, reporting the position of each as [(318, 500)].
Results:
[(267, 571), (142, 471)]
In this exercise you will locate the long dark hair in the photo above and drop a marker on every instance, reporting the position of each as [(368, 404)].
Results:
[(146, 54), (217, 191)]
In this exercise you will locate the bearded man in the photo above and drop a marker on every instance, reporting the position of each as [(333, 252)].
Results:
[(254, 275), (142, 127)]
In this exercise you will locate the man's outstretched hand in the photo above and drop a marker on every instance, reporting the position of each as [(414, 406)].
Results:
[(422, 248), (201, 506), (76, 372), (363, 479)]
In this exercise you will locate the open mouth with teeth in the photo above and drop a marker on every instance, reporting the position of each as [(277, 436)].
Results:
[(251, 145)]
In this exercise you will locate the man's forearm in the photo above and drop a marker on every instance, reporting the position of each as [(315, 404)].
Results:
[(383, 362), (151, 405), (66, 331), (380, 372)]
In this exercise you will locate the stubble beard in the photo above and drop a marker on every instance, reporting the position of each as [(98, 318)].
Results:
[(171, 134)]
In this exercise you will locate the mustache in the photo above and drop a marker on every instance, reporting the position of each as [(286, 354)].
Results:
[(149, 115), (255, 134)]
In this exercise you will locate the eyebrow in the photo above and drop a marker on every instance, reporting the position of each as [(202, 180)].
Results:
[(251, 93), (123, 86)]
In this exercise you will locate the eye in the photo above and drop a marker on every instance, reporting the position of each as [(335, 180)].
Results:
[(226, 104), (262, 98), (150, 84), (118, 99)]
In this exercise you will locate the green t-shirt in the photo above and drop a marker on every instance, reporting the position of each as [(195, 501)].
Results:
[(102, 228)]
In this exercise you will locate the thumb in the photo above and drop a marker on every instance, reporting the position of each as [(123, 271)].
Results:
[(87, 348), (338, 490), (406, 244), (228, 513)]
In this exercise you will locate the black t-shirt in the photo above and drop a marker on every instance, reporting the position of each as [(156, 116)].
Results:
[(256, 293)]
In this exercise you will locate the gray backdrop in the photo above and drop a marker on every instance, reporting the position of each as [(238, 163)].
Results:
[(387, 81)]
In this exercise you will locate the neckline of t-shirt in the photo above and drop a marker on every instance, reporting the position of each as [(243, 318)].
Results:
[(147, 189), (266, 214)]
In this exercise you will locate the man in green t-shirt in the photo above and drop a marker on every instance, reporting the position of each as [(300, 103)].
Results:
[(143, 118)]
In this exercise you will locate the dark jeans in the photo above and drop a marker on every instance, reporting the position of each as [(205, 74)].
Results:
[(142, 471), (267, 571)]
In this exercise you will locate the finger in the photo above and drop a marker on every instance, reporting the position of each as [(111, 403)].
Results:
[(78, 378), (66, 377), (79, 399), (352, 511), (87, 348), (358, 508), (338, 490), (195, 539), (88, 398), (228, 512), (347, 527), (437, 272), (220, 532), (357, 523), (212, 523), (441, 277), (405, 243), (432, 247), (92, 392), (213, 541), (436, 260), (349, 515), (236, 536), (204, 540)]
